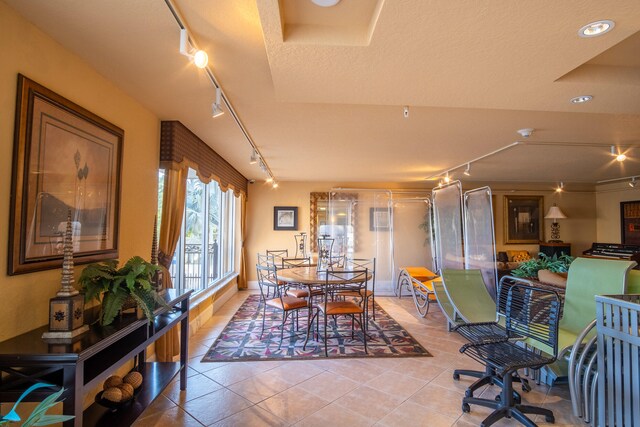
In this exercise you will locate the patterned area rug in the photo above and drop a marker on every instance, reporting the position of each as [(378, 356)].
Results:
[(240, 339)]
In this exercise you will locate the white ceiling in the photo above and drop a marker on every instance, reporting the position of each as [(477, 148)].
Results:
[(321, 90)]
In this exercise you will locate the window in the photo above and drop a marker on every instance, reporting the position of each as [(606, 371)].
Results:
[(205, 251)]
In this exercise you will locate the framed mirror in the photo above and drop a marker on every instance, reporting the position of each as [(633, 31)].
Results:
[(341, 213)]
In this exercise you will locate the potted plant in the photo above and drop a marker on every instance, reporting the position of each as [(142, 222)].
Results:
[(113, 287), (38, 416), (555, 264)]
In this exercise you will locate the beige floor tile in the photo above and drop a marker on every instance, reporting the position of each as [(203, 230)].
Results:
[(197, 349), (216, 406), (562, 411), (329, 385), (395, 384), (260, 387), (196, 363), (334, 415), (251, 417), (295, 372), (355, 369), (369, 402), (197, 386), (162, 403), (294, 404), (445, 379), (169, 418), (421, 368), (233, 372), (438, 399), (411, 414)]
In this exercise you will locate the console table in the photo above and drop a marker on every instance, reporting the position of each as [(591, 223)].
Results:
[(82, 365), (551, 248)]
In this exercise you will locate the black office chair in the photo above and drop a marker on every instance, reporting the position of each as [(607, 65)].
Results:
[(532, 313)]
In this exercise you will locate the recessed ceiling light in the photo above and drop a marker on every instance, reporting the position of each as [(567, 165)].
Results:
[(325, 3), (596, 28), (581, 99)]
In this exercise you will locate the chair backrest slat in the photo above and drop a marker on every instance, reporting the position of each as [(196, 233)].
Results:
[(295, 262)]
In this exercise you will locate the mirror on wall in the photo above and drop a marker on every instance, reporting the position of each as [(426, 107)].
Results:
[(335, 217)]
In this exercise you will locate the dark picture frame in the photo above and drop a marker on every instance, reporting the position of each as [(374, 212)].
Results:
[(285, 218), (65, 159), (630, 222), (523, 219), (379, 219)]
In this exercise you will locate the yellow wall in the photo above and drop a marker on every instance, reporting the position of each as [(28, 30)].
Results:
[(25, 49), (608, 198)]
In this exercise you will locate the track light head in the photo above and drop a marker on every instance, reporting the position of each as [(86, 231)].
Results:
[(633, 182), (274, 185), (217, 106), (268, 180), (254, 158), (200, 58), (621, 157), (560, 187), (467, 171)]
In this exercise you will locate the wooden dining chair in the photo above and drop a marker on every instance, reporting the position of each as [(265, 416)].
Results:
[(288, 305), (349, 281)]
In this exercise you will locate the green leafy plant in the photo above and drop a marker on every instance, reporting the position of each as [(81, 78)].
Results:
[(113, 286), (39, 416), (556, 264)]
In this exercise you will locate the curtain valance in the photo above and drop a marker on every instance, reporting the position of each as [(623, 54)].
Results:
[(180, 148)]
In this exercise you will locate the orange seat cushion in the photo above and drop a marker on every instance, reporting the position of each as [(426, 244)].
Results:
[(336, 308), (298, 293), (420, 273), (287, 303)]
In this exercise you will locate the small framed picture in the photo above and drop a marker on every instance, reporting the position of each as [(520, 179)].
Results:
[(285, 218), (378, 219), (522, 219)]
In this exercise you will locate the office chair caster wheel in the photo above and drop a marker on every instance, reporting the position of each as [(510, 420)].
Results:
[(498, 398), (456, 376), (466, 408), (550, 418)]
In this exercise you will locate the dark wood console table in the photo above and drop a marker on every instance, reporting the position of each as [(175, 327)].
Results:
[(84, 364)]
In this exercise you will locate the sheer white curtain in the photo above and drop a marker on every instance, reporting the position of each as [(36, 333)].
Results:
[(447, 213)]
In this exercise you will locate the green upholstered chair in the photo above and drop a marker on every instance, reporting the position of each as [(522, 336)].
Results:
[(445, 304)]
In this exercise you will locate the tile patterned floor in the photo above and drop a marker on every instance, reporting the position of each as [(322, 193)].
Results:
[(354, 392)]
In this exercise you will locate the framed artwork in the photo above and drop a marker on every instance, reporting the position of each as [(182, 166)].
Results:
[(523, 219), (65, 160), (378, 219), (630, 222), (285, 218)]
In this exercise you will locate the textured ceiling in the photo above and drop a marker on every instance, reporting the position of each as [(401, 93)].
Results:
[(321, 90)]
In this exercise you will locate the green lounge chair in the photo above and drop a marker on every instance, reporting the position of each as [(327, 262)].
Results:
[(587, 278), (469, 296)]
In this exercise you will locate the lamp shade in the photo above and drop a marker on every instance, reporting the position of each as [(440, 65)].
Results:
[(555, 213)]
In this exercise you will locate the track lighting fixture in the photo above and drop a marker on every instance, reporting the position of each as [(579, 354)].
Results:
[(274, 185), (447, 179), (621, 157), (199, 56), (254, 158), (633, 182), (189, 48), (467, 171), (560, 187)]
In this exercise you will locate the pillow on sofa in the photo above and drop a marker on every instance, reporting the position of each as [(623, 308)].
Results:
[(518, 256), (554, 279)]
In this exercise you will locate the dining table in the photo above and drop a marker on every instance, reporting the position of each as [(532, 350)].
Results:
[(315, 280)]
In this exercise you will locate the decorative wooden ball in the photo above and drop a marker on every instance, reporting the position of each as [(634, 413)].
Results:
[(127, 391), (112, 381), (113, 394), (134, 378)]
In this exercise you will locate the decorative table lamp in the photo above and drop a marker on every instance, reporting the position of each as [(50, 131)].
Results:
[(555, 214), (66, 309), (301, 245)]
